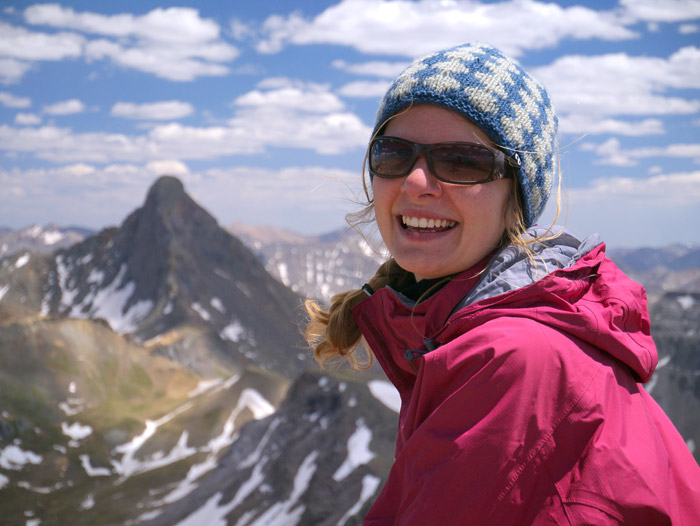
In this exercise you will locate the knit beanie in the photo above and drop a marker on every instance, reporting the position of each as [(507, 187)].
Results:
[(495, 93)]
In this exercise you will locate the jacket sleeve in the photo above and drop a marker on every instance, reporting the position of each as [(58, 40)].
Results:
[(479, 426)]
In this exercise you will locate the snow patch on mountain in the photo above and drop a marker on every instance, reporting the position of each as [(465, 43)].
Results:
[(386, 393), (370, 483), (234, 331), (358, 451), (686, 302), (290, 511), (218, 305), (129, 465), (22, 260), (249, 399), (15, 458), (108, 302), (203, 313), (75, 431), (93, 471)]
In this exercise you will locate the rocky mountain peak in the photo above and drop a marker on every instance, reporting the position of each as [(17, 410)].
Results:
[(169, 212), (169, 267)]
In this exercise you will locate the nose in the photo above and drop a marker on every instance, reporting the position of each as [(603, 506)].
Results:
[(420, 181)]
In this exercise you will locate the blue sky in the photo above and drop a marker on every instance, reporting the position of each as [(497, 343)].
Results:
[(263, 109)]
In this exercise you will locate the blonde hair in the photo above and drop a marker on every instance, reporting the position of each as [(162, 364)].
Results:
[(334, 335)]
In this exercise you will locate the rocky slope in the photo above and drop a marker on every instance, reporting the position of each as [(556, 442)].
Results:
[(315, 266), (134, 362)]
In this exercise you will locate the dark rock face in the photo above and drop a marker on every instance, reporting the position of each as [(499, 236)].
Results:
[(170, 264), (316, 266), (676, 382), (320, 459)]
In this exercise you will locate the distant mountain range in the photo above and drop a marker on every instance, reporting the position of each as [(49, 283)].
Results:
[(36, 238), (154, 373)]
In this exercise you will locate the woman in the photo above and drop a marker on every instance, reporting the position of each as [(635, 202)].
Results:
[(518, 354)]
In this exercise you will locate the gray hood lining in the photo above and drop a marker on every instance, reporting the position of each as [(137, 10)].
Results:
[(510, 269)]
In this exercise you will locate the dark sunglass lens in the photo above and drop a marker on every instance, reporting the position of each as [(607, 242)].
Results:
[(389, 157), (462, 163)]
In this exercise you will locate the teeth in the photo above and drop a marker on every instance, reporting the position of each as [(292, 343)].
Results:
[(423, 222)]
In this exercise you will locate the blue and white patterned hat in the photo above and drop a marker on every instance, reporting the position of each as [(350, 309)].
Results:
[(496, 94)]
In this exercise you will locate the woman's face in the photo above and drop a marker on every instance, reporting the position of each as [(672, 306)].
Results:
[(474, 214)]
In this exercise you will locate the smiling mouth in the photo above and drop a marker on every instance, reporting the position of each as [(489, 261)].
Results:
[(423, 224)]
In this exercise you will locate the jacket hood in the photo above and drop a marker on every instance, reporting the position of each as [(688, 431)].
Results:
[(570, 285)]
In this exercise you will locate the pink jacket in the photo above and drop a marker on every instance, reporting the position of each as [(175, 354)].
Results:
[(529, 407)]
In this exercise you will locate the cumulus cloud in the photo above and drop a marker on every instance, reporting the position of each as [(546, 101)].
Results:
[(164, 110), (688, 29), (666, 11), (66, 107), (174, 43), (585, 124), (19, 43), (177, 62), (374, 68), (27, 119), (12, 101), (172, 24), (612, 153), (167, 167), (588, 91), (679, 189), (287, 95), (299, 115), (408, 28), (12, 70), (267, 117), (364, 89)]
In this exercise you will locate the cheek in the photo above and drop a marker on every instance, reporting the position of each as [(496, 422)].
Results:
[(382, 195), (486, 209)]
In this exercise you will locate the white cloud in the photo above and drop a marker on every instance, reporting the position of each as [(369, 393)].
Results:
[(407, 28), (66, 107), (270, 118), (585, 88), (666, 11), (174, 43), (688, 29), (11, 70), (658, 190), (172, 24), (376, 68), (580, 123), (363, 89), (313, 98), (612, 153), (12, 101), (177, 62), (27, 119), (19, 43), (299, 115), (164, 110), (167, 167)]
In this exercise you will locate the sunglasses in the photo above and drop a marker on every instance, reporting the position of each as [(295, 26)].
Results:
[(450, 162)]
